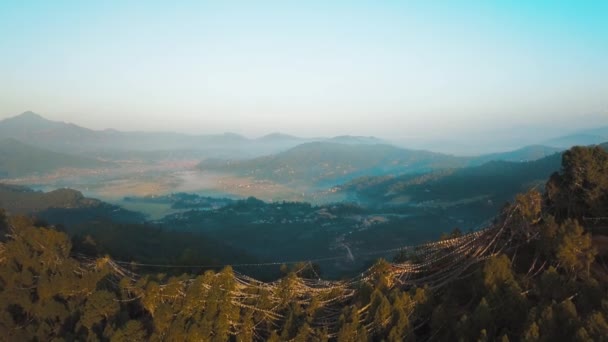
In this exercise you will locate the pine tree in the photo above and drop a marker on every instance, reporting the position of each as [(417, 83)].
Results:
[(132, 331), (99, 307), (575, 251)]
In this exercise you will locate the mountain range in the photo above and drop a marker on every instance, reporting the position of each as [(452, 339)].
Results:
[(330, 163), (497, 181), (33, 129), (33, 144), (586, 137), (326, 163)]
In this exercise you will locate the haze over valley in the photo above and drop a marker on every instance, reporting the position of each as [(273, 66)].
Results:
[(347, 196), (112, 164)]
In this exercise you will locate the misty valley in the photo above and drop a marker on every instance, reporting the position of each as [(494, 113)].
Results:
[(341, 202), (311, 239)]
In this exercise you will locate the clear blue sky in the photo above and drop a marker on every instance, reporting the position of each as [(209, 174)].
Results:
[(396, 69)]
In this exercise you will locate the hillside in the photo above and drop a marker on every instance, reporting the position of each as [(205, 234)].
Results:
[(329, 163), (23, 200), (62, 206), (527, 153), (19, 159), (480, 188), (495, 181), (121, 232), (324, 163), (582, 139), (67, 137), (586, 137), (34, 129)]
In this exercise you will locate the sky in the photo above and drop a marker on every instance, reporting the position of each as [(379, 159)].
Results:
[(476, 72)]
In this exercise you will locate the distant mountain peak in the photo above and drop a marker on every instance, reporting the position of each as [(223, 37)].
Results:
[(28, 116), (29, 113), (277, 136), (27, 119)]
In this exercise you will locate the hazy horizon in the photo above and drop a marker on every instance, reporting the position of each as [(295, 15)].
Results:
[(492, 142), (485, 76)]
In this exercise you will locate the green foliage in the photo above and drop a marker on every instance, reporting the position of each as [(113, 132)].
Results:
[(580, 189), (161, 308), (574, 251), (132, 331), (100, 306), (351, 329), (42, 289), (529, 206), (497, 273)]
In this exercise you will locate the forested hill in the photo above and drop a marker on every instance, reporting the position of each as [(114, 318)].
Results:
[(498, 181), (100, 227), (524, 154), (331, 163), (22, 200), (495, 181), (537, 274), (19, 159), (62, 206)]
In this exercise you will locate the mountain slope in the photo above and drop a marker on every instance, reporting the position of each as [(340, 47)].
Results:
[(497, 181), (113, 229), (18, 159), (25, 123), (23, 200), (580, 139), (527, 153), (34, 129), (593, 136), (601, 131), (327, 163), (493, 182)]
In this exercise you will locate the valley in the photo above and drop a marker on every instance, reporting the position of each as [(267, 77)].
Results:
[(342, 201)]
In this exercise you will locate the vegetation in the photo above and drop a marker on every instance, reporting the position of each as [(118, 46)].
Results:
[(581, 190), (23, 200), (101, 228), (183, 200), (547, 283), (498, 181), (329, 163), (289, 231)]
